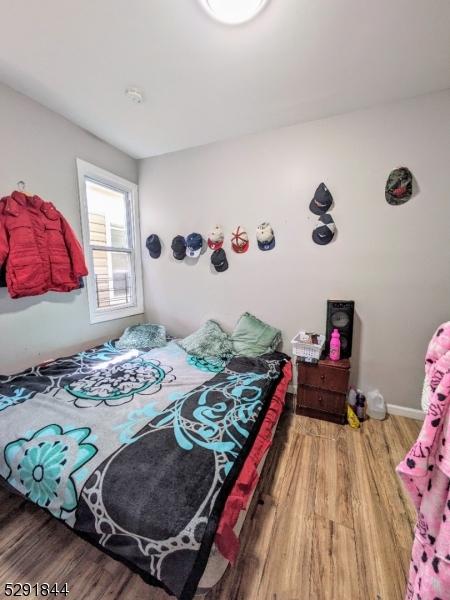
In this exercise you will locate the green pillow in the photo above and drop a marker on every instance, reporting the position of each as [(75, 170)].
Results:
[(209, 340), (142, 337), (252, 337)]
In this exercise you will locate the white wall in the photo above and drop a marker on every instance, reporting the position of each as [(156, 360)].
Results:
[(393, 261), (40, 147)]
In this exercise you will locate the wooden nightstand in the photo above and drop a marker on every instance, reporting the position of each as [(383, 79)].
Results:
[(322, 389)]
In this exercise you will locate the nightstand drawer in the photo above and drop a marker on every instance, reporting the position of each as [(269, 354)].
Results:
[(324, 376), (321, 400)]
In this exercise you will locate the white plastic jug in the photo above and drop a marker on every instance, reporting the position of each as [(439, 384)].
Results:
[(376, 406)]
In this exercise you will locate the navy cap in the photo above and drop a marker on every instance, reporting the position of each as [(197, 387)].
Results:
[(153, 245), (194, 245), (265, 237), (322, 200), (179, 247), (324, 230), (219, 260)]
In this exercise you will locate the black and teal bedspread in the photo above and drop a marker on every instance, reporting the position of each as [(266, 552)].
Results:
[(137, 452)]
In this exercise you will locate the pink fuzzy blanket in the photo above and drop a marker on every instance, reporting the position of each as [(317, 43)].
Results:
[(425, 472)]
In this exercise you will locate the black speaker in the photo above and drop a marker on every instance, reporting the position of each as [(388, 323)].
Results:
[(340, 316)]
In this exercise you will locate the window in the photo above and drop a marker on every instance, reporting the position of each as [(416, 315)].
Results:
[(109, 218)]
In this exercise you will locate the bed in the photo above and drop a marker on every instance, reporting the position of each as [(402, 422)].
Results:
[(151, 456)]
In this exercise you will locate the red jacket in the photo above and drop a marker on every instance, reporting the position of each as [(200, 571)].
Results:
[(41, 251)]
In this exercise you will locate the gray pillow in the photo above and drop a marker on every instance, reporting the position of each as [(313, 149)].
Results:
[(209, 340), (142, 337)]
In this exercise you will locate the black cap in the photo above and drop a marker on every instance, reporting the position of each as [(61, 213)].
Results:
[(153, 245), (324, 230), (219, 260), (322, 200), (179, 247)]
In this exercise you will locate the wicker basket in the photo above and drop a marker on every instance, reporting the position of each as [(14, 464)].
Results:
[(305, 349)]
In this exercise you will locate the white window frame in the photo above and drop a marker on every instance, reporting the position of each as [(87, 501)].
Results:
[(98, 175)]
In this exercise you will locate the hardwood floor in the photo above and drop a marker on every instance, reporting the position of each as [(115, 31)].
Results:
[(329, 521)]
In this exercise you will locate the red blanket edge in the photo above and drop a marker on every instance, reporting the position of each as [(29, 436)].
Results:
[(226, 540)]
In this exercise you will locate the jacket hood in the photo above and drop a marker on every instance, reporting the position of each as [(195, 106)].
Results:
[(18, 200)]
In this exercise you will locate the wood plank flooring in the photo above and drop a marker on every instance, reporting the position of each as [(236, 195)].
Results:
[(329, 521)]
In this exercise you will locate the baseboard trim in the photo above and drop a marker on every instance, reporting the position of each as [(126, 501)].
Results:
[(405, 411)]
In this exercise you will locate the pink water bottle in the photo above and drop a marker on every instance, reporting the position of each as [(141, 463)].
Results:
[(335, 345)]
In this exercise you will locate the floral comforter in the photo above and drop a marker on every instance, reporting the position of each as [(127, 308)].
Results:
[(136, 451)]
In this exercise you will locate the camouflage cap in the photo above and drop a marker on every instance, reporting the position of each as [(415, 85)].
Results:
[(399, 186)]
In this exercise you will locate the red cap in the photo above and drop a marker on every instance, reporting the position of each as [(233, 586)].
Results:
[(215, 245), (239, 241)]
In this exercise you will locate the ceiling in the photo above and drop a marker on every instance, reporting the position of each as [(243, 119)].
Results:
[(298, 60)]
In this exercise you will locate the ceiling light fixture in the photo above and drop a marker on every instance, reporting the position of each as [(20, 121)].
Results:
[(233, 12), (135, 94)]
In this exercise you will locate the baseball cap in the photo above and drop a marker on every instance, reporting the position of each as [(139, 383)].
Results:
[(215, 239), (219, 260), (399, 186), (265, 236), (194, 244), (324, 230), (153, 245), (322, 200), (239, 241), (179, 247)]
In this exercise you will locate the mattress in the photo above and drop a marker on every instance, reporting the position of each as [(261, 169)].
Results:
[(217, 563), (137, 452)]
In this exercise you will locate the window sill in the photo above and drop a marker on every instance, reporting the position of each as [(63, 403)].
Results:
[(114, 314)]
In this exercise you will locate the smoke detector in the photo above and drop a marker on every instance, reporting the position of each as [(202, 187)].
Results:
[(233, 12), (135, 94)]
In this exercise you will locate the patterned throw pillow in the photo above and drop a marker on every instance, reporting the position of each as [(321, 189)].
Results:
[(252, 337), (210, 340), (142, 337)]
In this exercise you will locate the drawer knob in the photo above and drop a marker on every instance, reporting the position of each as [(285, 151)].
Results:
[(322, 377)]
